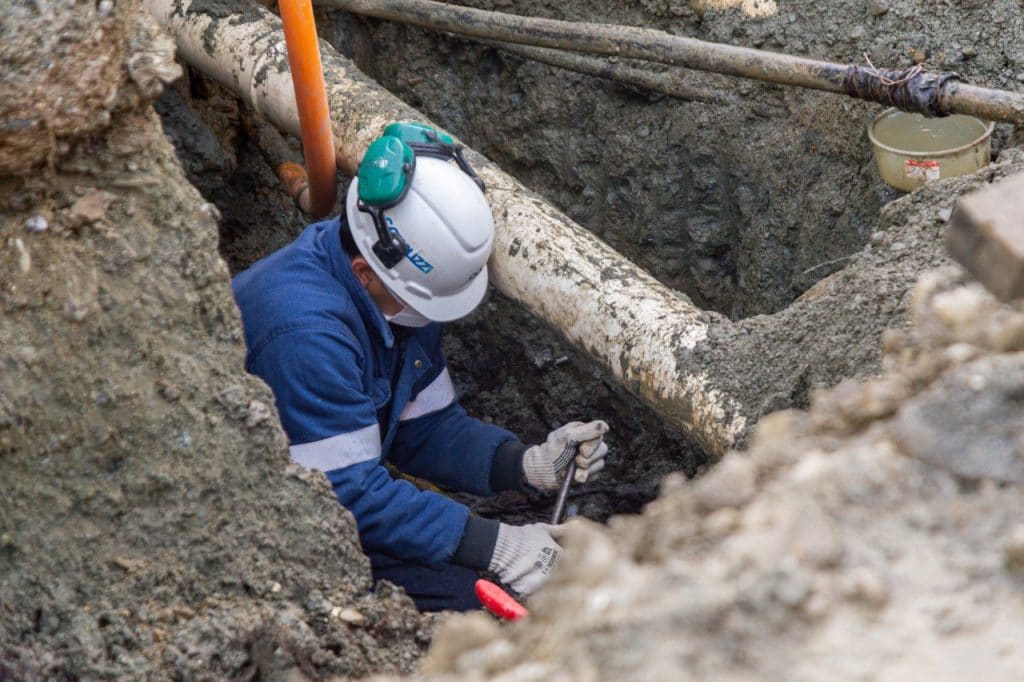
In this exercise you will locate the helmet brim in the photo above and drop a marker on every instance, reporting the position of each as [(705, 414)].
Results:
[(453, 307)]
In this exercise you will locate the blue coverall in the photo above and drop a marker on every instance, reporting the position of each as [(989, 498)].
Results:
[(353, 392)]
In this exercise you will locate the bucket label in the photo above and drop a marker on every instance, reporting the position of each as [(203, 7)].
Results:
[(916, 169)]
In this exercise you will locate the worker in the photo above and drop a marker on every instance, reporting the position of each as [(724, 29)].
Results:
[(344, 326)]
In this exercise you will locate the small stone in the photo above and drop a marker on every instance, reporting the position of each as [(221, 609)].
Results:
[(37, 223), (969, 52), (257, 413), (919, 54), (105, 8), (275, 588), (24, 259), (543, 359), (209, 211), (89, 209), (351, 616), (878, 8), (76, 311)]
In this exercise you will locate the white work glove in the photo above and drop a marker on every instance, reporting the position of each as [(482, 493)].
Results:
[(524, 556), (544, 465)]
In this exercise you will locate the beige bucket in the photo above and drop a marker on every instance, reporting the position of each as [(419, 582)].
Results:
[(911, 150)]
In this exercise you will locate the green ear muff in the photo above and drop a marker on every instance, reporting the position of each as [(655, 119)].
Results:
[(385, 172), (385, 175)]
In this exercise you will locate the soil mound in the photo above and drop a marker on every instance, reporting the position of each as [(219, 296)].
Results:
[(876, 536), (151, 524)]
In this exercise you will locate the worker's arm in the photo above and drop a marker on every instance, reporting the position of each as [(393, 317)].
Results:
[(332, 425), (439, 442)]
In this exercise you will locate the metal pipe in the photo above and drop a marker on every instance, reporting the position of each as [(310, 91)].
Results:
[(657, 46), (670, 84), (563, 492), (650, 338)]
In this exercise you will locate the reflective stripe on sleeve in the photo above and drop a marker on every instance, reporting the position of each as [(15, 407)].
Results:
[(437, 395), (338, 452)]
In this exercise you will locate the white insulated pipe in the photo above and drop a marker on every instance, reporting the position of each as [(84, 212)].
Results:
[(646, 335)]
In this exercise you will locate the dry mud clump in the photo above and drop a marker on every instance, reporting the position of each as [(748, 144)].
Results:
[(151, 525), (878, 536)]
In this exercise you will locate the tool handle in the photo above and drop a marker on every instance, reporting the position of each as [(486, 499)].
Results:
[(563, 493), (498, 601)]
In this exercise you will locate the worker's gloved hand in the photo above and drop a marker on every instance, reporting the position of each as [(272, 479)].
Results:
[(544, 465), (524, 556)]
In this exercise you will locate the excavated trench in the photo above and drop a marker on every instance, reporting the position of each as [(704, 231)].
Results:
[(743, 206), (508, 367), (151, 523)]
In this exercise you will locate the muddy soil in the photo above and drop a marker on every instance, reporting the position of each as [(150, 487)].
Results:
[(877, 536), (741, 206), (151, 524)]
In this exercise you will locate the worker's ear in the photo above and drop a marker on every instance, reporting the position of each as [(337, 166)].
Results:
[(363, 272)]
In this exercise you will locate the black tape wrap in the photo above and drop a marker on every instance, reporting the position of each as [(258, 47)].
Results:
[(910, 89)]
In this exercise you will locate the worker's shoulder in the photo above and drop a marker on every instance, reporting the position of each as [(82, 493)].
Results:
[(297, 277), (293, 290)]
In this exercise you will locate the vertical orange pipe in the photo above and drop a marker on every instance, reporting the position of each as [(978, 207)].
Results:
[(311, 102)]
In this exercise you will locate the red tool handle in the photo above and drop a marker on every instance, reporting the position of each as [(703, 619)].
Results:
[(499, 602)]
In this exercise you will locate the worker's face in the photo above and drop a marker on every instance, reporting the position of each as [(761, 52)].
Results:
[(387, 303)]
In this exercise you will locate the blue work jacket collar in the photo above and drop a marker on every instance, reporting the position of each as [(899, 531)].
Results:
[(341, 269)]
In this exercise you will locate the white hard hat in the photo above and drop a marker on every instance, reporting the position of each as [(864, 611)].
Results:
[(449, 232)]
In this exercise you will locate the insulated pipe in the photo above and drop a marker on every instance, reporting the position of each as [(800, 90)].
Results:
[(650, 338), (314, 116), (953, 96)]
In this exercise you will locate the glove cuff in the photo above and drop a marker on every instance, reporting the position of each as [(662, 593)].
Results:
[(477, 545), (537, 470), (510, 545)]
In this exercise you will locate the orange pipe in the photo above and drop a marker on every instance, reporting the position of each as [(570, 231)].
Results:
[(311, 102), (296, 183)]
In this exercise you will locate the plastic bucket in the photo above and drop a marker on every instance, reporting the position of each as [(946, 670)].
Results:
[(909, 153)]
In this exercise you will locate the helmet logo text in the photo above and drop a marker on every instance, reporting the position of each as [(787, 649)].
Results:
[(414, 257)]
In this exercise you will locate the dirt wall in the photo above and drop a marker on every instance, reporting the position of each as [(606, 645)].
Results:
[(151, 523)]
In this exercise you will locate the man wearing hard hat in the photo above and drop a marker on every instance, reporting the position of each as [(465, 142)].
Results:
[(344, 325)]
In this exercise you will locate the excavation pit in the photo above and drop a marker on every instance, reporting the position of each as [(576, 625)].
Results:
[(152, 525)]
